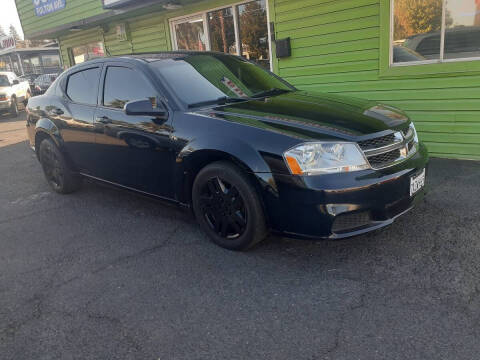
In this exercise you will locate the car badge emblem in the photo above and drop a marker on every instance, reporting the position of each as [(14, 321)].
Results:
[(398, 136)]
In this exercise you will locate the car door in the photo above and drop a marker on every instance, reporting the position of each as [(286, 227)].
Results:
[(14, 86), (133, 151), (73, 111), (18, 87)]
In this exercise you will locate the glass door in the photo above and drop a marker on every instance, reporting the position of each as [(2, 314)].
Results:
[(190, 34)]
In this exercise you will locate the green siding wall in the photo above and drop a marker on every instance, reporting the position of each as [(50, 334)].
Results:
[(75, 10), (146, 33), (336, 49)]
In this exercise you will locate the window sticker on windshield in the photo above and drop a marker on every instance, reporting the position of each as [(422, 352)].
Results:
[(234, 88)]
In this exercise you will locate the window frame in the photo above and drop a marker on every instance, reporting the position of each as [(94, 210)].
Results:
[(441, 59), (416, 70), (204, 15)]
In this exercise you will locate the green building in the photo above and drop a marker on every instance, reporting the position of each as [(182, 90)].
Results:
[(420, 55)]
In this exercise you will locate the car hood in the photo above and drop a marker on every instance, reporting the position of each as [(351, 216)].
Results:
[(312, 115), (4, 88)]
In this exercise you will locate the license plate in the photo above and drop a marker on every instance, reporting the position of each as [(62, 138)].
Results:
[(417, 182)]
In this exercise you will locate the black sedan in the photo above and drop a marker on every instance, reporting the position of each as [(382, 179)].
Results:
[(247, 152)]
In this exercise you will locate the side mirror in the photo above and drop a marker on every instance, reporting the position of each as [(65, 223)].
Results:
[(15, 82), (145, 108)]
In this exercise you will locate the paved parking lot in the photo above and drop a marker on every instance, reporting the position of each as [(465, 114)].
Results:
[(103, 274)]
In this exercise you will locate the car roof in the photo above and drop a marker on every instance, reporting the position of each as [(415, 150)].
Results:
[(154, 56)]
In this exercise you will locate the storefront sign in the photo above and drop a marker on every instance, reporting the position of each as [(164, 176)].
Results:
[(6, 43), (44, 7)]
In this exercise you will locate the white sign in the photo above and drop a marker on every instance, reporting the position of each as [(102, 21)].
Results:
[(6, 43)]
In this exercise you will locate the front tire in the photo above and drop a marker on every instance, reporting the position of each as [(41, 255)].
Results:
[(60, 178), (227, 207)]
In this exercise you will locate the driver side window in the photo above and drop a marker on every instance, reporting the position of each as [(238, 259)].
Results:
[(123, 85)]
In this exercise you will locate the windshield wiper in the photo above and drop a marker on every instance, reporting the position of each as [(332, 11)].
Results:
[(271, 92), (223, 100)]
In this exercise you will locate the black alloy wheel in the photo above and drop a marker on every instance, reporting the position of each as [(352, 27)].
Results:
[(223, 208), (227, 206), (55, 168)]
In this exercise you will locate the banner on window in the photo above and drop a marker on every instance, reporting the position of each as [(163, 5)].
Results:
[(44, 7)]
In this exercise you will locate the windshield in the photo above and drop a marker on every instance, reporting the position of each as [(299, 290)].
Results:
[(4, 80), (197, 79)]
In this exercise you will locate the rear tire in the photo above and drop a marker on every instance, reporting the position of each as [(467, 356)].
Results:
[(59, 176), (227, 206)]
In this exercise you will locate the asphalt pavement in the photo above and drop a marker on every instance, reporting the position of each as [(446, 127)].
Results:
[(107, 274)]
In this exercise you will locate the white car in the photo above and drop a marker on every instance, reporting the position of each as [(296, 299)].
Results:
[(12, 92)]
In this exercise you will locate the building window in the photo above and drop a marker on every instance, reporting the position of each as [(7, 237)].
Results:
[(51, 60), (190, 34), (221, 24), (86, 52), (431, 31), (240, 29)]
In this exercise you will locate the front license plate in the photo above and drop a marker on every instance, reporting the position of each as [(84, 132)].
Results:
[(417, 182)]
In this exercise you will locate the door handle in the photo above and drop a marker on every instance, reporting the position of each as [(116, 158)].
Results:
[(104, 120)]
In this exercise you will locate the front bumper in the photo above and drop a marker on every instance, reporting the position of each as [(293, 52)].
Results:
[(343, 205), (5, 105)]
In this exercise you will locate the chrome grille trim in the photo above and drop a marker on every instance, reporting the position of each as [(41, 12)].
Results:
[(400, 149)]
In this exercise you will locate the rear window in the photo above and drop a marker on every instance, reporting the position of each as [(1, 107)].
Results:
[(82, 87)]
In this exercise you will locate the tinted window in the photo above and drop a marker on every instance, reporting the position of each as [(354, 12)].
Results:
[(82, 86), (123, 85)]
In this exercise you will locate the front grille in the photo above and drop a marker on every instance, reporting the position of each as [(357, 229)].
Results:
[(377, 142), (387, 150), (385, 159)]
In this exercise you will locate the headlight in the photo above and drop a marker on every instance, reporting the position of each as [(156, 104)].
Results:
[(325, 158), (415, 135)]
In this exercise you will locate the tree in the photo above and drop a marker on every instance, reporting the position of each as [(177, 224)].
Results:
[(418, 17), (14, 33), (254, 30)]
